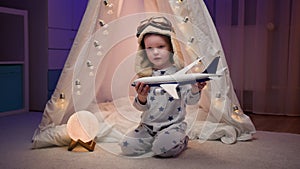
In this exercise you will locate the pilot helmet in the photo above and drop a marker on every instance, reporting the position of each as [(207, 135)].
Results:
[(155, 25)]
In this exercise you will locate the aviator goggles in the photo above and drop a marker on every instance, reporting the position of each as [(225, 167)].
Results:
[(157, 22)]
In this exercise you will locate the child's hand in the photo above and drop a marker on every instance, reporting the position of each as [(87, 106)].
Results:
[(142, 91), (197, 87)]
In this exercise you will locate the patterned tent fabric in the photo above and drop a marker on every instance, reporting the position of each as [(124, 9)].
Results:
[(100, 68)]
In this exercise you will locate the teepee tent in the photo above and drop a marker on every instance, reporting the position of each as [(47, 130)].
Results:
[(100, 68)]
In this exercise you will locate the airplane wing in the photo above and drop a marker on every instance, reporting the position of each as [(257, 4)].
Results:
[(211, 68), (188, 67), (171, 89)]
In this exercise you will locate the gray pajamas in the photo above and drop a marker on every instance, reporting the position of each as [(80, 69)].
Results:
[(162, 128)]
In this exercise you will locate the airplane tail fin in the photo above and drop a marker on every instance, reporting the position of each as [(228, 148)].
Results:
[(212, 67)]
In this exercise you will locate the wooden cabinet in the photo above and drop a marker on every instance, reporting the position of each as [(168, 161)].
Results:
[(13, 61)]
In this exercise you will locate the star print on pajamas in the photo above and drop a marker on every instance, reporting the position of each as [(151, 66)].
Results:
[(152, 98), (171, 99), (163, 149), (125, 144)]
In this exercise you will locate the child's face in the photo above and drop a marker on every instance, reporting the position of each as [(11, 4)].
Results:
[(158, 50)]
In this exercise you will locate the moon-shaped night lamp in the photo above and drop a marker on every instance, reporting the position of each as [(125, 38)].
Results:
[(83, 127)]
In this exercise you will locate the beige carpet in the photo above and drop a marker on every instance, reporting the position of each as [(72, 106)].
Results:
[(268, 150)]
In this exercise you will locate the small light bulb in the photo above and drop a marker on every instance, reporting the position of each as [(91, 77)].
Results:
[(62, 96), (236, 115), (89, 64), (61, 102), (105, 32), (218, 95), (186, 19), (110, 12), (110, 5), (101, 23), (77, 83), (191, 40), (99, 47), (179, 1), (99, 53), (96, 43), (105, 2), (236, 109)]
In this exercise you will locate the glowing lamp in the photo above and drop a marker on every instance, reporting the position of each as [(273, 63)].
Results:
[(82, 127), (61, 102)]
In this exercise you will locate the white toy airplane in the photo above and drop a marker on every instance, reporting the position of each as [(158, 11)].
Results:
[(170, 82)]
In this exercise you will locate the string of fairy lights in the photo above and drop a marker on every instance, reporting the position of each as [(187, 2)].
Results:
[(184, 25)]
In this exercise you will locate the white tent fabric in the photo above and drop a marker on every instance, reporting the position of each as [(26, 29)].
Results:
[(100, 68)]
